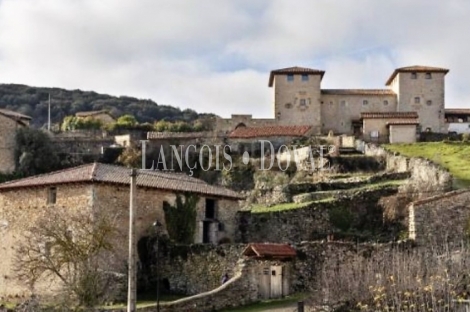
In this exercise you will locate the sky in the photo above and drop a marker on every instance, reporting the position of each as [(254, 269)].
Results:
[(215, 55)]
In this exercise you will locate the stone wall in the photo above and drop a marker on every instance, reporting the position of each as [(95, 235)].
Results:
[(426, 178), (20, 208), (347, 217), (440, 220), (8, 129)]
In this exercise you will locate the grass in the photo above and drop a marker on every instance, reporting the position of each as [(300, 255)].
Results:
[(286, 206), (290, 206), (268, 304), (454, 156)]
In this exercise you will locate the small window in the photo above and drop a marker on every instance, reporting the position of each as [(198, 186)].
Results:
[(210, 208), (365, 102), (414, 75), (304, 77), (385, 102), (343, 103), (221, 227), (417, 100), (303, 102), (428, 129), (290, 77), (428, 76), (288, 105), (273, 273), (428, 102), (52, 195)]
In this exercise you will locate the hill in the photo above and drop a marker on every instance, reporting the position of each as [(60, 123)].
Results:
[(454, 156), (33, 101)]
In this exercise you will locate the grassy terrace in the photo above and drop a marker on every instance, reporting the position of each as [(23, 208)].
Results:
[(454, 156), (289, 206)]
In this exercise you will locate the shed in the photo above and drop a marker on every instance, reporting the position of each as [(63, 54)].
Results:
[(272, 269)]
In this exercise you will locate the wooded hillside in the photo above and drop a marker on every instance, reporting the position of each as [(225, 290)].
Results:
[(33, 101)]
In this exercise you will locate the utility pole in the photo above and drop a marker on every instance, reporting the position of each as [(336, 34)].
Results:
[(144, 153), (131, 295), (49, 115)]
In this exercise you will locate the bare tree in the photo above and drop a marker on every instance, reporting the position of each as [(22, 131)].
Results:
[(71, 247)]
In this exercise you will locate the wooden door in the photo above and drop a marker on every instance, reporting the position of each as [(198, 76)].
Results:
[(264, 282), (276, 281)]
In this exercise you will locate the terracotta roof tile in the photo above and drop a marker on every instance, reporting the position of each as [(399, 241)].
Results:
[(358, 91), (269, 131), (457, 111), (120, 175), (269, 251), (385, 115), (294, 70), (417, 69), (14, 115), (402, 123)]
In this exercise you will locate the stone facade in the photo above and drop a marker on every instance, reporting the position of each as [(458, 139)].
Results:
[(8, 127), (440, 221), (299, 100), (21, 207)]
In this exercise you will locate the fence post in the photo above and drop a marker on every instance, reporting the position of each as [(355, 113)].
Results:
[(300, 306)]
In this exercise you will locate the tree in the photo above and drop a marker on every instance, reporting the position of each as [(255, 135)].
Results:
[(181, 218), (131, 158), (71, 247), (128, 121), (34, 152)]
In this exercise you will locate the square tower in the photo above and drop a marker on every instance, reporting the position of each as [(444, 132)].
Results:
[(421, 89), (297, 96)]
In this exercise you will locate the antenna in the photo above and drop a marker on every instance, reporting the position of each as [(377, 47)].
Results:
[(49, 115)]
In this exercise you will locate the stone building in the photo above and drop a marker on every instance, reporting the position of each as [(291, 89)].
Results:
[(10, 122), (100, 188), (101, 115), (300, 100)]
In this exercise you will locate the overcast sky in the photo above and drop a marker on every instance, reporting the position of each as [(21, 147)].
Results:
[(215, 55)]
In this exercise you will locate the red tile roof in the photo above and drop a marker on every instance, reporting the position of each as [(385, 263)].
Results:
[(269, 251), (13, 115), (294, 70), (103, 173), (402, 123), (457, 111), (269, 131), (385, 115), (415, 69), (358, 91)]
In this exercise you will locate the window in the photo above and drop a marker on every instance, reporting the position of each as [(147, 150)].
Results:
[(385, 102), (365, 102), (290, 77), (210, 208), (428, 76), (414, 75), (52, 195), (428, 102), (428, 129), (303, 102), (304, 77), (221, 227), (417, 100), (343, 103), (288, 105)]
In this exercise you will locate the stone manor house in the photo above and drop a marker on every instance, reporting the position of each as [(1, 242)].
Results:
[(413, 102)]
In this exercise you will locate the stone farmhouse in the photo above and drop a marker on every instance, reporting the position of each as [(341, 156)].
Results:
[(413, 102), (10, 122), (101, 115), (105, 188)]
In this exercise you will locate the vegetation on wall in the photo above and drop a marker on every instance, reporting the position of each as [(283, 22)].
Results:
[(34, 152), (180, 219), (75, 123)]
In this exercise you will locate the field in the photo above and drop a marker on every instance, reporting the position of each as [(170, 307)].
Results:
[(454, 156)]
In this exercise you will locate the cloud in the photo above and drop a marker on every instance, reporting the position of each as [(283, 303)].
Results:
[(215, 56)]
